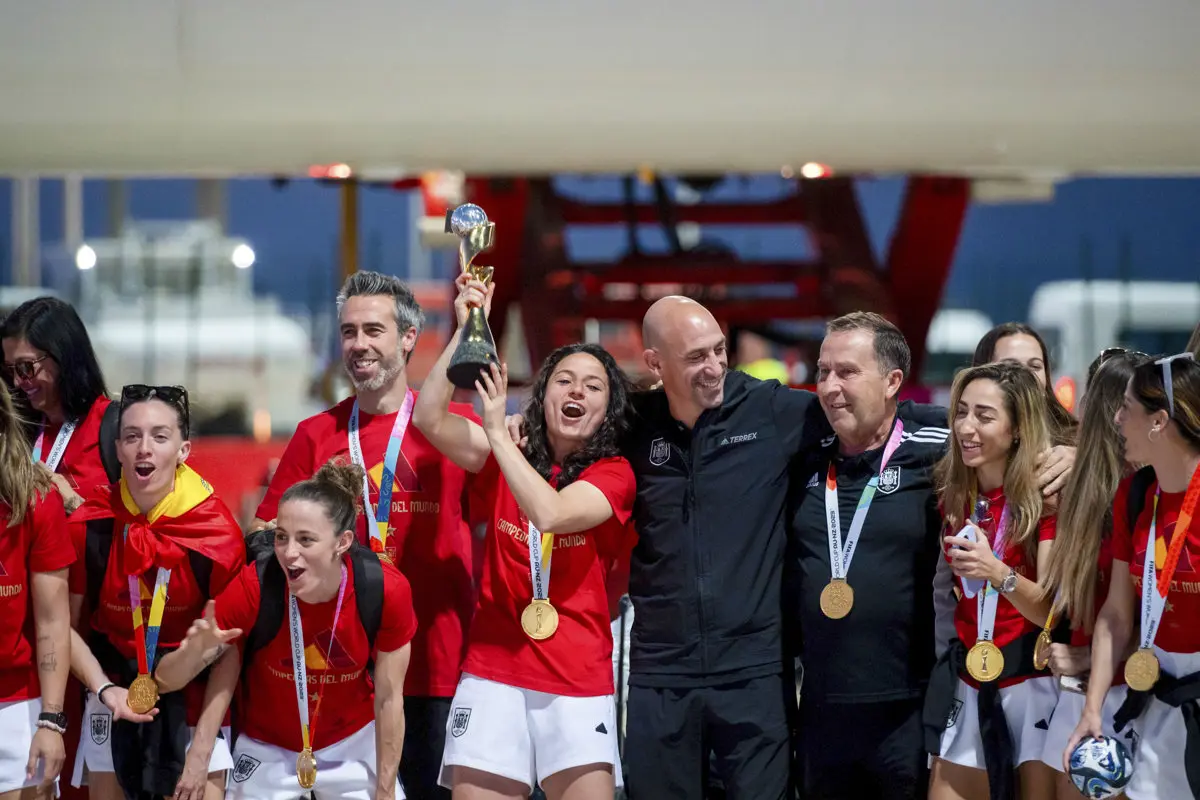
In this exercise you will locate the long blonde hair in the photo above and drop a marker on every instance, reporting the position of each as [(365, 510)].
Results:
[(1074, 560), (21, 481), (1025, 404)]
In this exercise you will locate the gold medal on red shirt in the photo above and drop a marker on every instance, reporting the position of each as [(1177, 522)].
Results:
[(143, 692), (306, 762), (985, 662), (539, 620)]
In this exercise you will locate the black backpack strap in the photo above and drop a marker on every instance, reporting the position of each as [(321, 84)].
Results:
[(368, 593), (109, 432), (98, 539), (202, 569), (271, 585), (1142, 480)]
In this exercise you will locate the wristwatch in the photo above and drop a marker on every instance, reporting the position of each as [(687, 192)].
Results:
[(1009, 584), (58, 721)]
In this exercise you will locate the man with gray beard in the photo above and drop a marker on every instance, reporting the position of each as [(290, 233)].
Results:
[(418, 524)]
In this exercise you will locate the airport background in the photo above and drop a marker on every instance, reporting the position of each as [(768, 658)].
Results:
[(256, 341)]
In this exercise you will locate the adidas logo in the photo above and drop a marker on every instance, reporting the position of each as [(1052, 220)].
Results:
[(1042, 725), (601, 729)]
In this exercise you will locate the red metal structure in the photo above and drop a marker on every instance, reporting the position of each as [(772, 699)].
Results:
[(557, 295)]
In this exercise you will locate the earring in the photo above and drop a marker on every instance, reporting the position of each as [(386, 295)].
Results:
[(1152, 434)]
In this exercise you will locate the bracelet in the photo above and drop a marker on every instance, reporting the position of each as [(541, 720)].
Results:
[(50, 726), (102, 689)]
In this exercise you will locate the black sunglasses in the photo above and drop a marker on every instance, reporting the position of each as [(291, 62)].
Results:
[(1109, 352), (25, 370), (176, 396)]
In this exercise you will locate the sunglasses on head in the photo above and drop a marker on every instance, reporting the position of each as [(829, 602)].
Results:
[(1109, 352), (1168, 381), (25, 370), (176, 396)]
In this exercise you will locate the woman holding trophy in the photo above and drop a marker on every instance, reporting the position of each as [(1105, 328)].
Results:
[(534, 704)]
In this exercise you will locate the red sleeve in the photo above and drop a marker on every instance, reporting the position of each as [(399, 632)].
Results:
[(1046, 528), (466, 410), (399, 623), (1122, 537), (77, 577), (237, 605), (295, 465), (50, 547), (614, 478)]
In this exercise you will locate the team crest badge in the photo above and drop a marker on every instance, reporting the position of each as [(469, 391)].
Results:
[(952, 717), (100, 727), (889, 481), (660, 452), (458, 721), (244, 768)]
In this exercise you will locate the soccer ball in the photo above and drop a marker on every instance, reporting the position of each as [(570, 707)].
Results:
[(1101, 768)]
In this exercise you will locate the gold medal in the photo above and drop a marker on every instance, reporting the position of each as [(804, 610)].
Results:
[(985, 662), (143, 694), (837, 598), (306, 768), (1141, 670), (1041, 651), (539, 620)]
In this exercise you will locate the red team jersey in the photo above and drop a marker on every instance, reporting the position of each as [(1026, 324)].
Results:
[(40, 543), (427, 538), (81, 464), (577, 660), (1177, 632), (335, 660), (1010, 623)]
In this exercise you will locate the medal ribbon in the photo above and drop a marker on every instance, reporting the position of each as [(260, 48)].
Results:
[(840, 555), (1155, 584), (378, 519), (60, 445), (989, 599), (300, 668), (145, 636), (539, 566)]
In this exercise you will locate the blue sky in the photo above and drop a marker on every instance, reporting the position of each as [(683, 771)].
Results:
[(1004, 251)]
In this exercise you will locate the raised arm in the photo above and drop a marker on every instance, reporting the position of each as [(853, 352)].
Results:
[(458, 438), (578, 507)]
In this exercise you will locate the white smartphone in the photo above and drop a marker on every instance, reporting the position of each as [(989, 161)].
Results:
[(970, 586)]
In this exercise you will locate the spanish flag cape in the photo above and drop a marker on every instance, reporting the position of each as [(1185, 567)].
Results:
[(191, 517)]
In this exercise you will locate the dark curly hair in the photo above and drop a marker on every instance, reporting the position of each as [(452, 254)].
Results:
[(605, 442)]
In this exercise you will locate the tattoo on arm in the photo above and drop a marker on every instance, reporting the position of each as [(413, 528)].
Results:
[(216, 653), (48, 661)]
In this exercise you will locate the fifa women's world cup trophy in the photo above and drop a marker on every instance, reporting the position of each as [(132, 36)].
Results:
[(476, 350)]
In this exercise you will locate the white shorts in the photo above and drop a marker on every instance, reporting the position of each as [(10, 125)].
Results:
[(1066, 719), (1027, 706), (95, 751), (345, 770), (525, 735), (18, 721)]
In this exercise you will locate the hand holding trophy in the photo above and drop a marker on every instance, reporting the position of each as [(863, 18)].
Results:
[(476, 350)]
